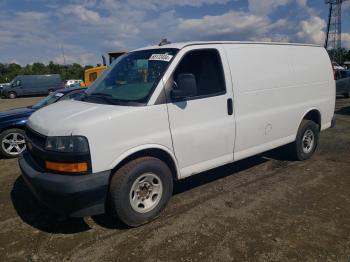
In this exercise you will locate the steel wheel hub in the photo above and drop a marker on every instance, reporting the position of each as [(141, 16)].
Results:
[(146, 192), (308, 141)]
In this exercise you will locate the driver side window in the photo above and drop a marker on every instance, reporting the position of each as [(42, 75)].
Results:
[(17, 83), (205, 65)]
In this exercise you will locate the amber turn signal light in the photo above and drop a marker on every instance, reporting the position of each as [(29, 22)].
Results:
[(64, 167)]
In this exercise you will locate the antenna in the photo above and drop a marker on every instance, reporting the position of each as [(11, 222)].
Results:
[(333, 37), (164, 41)]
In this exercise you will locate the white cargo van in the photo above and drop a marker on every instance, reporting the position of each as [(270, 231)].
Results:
[(164, 113)]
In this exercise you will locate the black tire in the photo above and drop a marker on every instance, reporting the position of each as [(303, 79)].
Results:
[(12, 95), (298, 149), (123, 181), (3, 135), (347, 95)]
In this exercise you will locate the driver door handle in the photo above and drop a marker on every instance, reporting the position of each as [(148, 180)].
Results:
[(229, 106)]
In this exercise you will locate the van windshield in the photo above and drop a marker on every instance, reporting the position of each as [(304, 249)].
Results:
[(131, 78), (12, 82)]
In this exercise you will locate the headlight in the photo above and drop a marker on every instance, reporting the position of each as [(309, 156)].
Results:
[(69, 144)]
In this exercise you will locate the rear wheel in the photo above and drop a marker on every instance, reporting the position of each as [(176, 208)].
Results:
[(140, 190), (12, 95), (306, 141), (12, 142)]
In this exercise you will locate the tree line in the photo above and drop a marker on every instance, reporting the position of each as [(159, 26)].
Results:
[(345, 53), (11, 70), (73, 71)]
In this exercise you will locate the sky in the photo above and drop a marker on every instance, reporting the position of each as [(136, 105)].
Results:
[(42, 30)]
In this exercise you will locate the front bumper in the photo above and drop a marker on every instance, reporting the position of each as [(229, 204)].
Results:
[(71, 195), (4, 93)]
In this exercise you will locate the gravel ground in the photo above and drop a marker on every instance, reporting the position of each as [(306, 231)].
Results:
[(265, 208)]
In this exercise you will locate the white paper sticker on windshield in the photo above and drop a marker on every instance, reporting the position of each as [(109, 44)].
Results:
[(161, 57), (59, 95)]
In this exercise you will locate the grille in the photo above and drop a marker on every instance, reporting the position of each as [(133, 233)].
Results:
[(35, 145)]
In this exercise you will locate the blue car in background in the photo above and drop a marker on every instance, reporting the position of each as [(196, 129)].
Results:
[(13, 122)]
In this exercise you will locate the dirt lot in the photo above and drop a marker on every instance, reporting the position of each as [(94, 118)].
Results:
[(265, 208)]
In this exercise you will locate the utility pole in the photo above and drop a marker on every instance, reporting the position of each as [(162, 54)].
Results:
[(333, 37), (64, 60)]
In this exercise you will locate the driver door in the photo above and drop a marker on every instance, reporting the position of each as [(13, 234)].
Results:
[(203, 126)]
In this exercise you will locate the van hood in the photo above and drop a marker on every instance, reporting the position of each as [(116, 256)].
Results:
[(72, 117)]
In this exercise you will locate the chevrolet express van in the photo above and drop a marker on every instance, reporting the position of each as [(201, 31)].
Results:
[(163, 113)]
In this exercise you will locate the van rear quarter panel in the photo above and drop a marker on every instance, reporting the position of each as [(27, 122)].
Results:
[(274, 86)]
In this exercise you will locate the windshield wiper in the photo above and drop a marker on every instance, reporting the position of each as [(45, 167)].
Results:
[(106, 96), (109, 99), (101, 96)]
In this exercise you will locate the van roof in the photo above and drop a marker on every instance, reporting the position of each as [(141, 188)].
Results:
[(181, 45)]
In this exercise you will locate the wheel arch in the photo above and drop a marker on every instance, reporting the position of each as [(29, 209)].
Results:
[(11, 91), (313, 114), (15, 126), (158, 151)]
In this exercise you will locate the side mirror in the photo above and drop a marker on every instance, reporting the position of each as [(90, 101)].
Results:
[(185, 86)]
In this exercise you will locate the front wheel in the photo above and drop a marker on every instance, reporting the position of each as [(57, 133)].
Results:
[(12, 95), (12, 143), (306, 141), (140, 190)]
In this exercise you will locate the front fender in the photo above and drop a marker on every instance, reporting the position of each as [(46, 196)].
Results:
[(20, 123), (140, 148)]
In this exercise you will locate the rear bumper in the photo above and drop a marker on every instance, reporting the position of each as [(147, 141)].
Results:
[(77, 196)]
